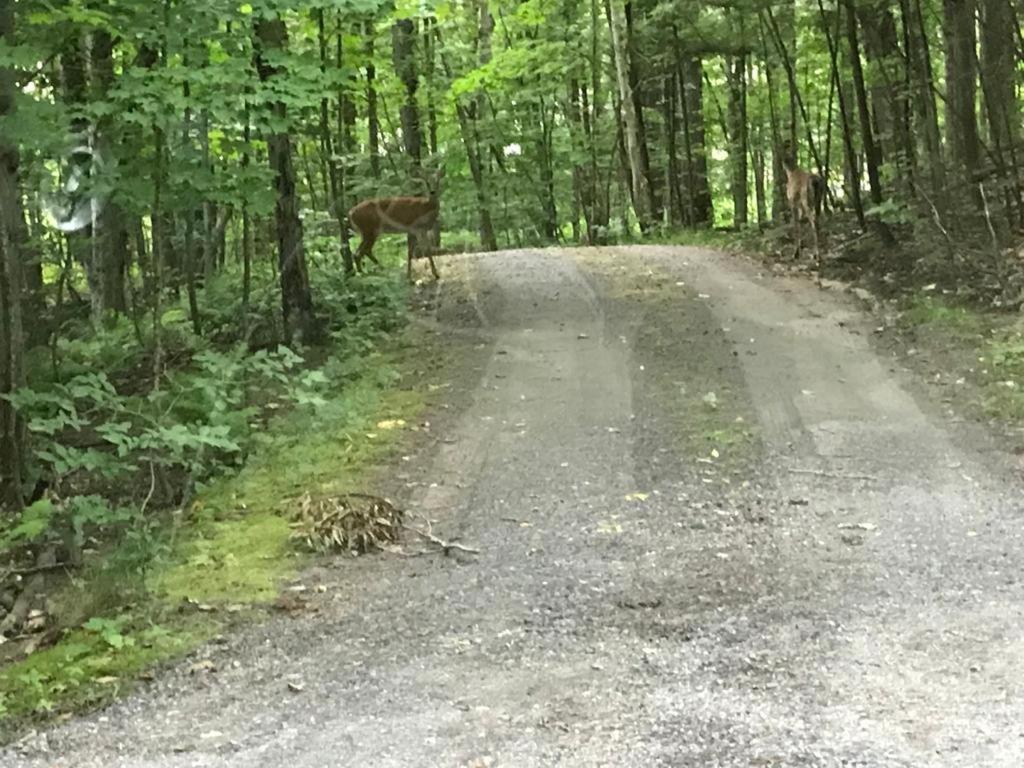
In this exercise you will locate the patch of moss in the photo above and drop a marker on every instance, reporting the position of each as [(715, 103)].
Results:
[(90, 667)]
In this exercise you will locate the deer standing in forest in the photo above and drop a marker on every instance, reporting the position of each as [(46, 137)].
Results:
[(415, 217), (805, 193)]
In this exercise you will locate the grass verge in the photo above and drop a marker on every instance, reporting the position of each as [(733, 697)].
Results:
[(978, 354), (227, 555)]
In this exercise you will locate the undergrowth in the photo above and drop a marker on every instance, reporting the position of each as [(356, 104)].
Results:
[(166, 498)]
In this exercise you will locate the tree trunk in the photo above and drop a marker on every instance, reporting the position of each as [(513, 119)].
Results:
[(12, 428), (296, 299), (643, 201), (471, 141), (111, 239), (735, 70), (961, 81), (871, 154), (998, 77), (372, 118), (919, 57), (653, 180), (853, 181), (674, 204), (692, 77), (890, 96), (403, 36), (335, 163)]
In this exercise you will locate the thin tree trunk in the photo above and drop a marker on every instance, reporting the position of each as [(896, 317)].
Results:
[(919, 54), (403, 35), (998, 77), (961, 82), (643, 200), (692, 75), (871, 154), (12, 427), (653, 180), (471, 141), (851, 153), (296, 298), (372, 119), (735, 70)]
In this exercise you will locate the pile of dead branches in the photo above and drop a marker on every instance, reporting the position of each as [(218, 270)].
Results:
[(354, 523)]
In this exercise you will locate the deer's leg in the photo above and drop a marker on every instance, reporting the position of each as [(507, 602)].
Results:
[(410, 245), (426, 242), (796, 228), (365, 244), (813, 216), (369, 251)]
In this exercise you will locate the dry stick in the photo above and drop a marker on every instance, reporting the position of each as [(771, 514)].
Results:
[(32, 569), (995, 238), (152, 487), (837, 475), (446, 546), (938, 221)]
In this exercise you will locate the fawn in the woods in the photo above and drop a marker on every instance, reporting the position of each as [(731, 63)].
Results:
[(415, 217), (805, 193)]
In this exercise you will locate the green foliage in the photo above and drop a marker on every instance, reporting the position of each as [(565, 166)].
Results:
[(944, 316)]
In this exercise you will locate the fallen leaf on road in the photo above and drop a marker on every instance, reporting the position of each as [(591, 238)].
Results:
[(202, 666), (858, 527)]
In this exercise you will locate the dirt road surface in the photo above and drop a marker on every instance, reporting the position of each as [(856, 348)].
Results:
[(715, 529)]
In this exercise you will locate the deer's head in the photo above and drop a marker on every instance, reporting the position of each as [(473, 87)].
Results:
[(432, 182)]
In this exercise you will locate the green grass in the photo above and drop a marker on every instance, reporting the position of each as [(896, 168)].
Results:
[(703, 238), (984, 348), (935, 314)]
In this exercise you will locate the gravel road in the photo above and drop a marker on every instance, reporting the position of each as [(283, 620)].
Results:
[(715, 529)]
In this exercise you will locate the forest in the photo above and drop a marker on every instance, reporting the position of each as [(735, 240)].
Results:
[(176, 258)]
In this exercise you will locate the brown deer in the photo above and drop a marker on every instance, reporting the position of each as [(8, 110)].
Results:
[(415, 217), (805, 193)]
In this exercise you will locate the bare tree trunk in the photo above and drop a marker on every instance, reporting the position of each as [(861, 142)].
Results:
[(372, 119), (12, 427), (961, 82), (403, 35), (335, 164), (643, 200), (998, 79), (653, 180), (853, 181), (692, 77), (296, 299), (735, 70), (111, 239), (471, 141), (871, 154)]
